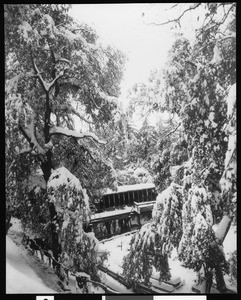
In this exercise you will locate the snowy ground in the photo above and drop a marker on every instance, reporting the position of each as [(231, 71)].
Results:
[(20, 277), (26, 273), (118, 248)]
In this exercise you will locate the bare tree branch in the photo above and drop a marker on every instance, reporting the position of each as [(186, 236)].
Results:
[(175, 5), (177, 19), (172, 131)]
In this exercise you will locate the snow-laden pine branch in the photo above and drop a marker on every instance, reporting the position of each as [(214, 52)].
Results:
[(54, 130)]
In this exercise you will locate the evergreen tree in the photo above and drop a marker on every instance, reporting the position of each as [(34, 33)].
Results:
[(55, 71)]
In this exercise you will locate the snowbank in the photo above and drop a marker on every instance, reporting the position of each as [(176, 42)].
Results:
[(21, 278)]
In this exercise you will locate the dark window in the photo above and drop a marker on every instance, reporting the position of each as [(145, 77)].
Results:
[(130, 195), (111, 198), (127, 197), (153, 191), (117, 199), (121, 198), (149, 195), (136, 196), (106, 201), (101, 204)]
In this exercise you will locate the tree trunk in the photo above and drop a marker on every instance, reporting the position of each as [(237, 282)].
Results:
[(216, 252), (221, 286), (209, 281), (56, 248), (46, 168)]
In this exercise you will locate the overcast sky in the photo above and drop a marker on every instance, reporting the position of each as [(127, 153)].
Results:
[(124, 26)]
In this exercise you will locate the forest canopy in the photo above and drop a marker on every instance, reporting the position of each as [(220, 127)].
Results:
[(68, 137)]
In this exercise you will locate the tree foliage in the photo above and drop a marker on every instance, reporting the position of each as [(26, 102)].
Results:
[(61, 85), (198, 87)]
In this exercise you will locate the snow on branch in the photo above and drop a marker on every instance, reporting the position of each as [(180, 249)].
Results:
[(26, 150), (74, 111), (63, 176), (52, 83), (73, 133), (62, 59), (45, 85), (28, 132)]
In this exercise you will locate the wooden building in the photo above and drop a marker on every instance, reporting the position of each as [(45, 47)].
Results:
[(123, 210)]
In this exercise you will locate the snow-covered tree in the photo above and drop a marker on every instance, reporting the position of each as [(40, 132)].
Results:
[(60, 83), (79, 250), (198, 86), (151, 246)]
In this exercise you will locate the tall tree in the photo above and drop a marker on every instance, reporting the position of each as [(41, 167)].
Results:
[(197, 84), (55, 71)]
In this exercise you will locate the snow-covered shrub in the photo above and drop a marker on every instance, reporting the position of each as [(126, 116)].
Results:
[(152, 244), (194, 247), (143, 175), (127, 177), (138, 263), (79, 249), (169, 217)]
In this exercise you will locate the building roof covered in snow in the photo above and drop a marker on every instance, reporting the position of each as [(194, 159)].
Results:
[(133, 187)]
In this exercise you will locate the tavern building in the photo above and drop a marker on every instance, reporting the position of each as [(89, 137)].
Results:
[(123, 210)]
